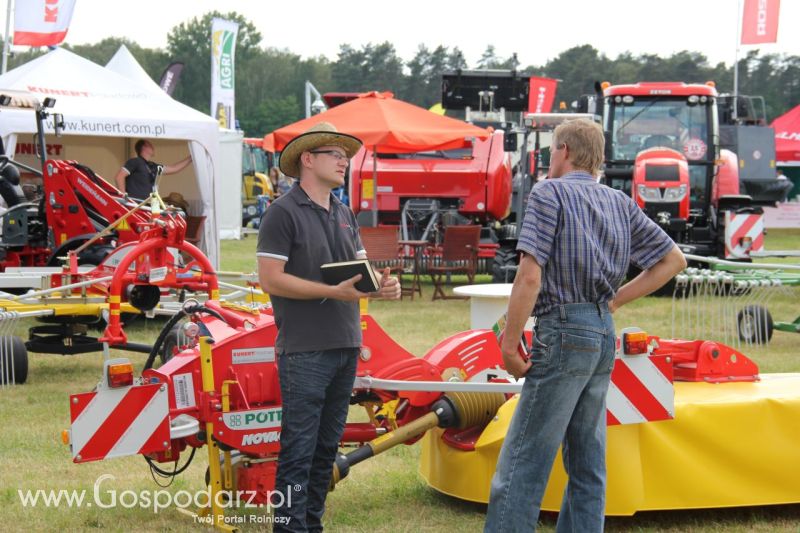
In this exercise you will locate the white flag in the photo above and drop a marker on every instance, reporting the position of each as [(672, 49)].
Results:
[(223, 51), (42, 22)]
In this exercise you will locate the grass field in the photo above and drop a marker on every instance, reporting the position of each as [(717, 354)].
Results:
[(385, 494)]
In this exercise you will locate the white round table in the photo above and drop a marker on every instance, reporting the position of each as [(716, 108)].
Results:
[(488, 302)]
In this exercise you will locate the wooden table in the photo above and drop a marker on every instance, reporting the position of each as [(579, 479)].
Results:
[(416, 284)]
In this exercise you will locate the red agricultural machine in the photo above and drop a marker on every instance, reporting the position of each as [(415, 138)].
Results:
[(83, 233), (424, 192), (220, 389), (73, 205), (133, 278)]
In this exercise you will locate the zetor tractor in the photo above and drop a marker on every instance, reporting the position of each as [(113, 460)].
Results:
[(662, 147)]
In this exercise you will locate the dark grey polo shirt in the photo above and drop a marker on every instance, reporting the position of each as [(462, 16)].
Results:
[(141, 177), (305, 235)]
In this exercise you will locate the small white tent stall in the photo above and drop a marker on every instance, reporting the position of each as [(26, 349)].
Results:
[(229, 184), (228, 204), (104, 114)]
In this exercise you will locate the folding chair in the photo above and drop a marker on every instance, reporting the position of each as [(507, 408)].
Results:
[(459, 256), (194, 229), (381, 244)]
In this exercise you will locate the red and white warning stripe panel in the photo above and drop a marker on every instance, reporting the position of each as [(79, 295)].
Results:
[(641, 390), (744, 233), (118, 422)]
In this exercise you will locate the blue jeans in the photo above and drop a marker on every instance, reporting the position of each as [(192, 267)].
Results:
[(563, 401), (315, 396)]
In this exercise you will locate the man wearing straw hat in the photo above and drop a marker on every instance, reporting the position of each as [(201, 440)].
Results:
[(319, 329)]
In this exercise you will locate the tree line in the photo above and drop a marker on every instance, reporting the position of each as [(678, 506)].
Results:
[(270, 81)]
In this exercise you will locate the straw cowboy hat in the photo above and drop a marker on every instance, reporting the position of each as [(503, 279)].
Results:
[(175, 198), (320, 134)]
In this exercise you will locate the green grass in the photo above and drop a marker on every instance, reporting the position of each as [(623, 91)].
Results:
[(384, 494)]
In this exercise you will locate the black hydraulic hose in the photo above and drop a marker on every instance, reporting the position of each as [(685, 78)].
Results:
[(166, 474), (174, 319)]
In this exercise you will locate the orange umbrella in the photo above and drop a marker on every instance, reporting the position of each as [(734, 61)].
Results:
[(269, 143), (388, 125), (391, 125)]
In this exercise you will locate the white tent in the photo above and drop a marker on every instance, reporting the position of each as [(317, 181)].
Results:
[(104, 114), (124, 64), (228, 206)]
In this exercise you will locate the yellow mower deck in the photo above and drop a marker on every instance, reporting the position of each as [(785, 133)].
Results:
[(732, 444)]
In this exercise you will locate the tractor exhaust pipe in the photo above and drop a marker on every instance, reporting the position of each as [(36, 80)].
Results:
[(456, 409)]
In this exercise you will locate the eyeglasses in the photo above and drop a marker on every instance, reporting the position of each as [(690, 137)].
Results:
[(559, 147), (333, 153)]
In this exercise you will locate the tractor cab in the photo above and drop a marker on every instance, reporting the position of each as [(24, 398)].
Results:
[(662, 148), (677, 117)]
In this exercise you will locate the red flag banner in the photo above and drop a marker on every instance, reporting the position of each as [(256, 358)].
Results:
[(542, 94), (760, 21), (42, 22)]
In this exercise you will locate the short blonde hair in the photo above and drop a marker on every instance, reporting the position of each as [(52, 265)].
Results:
[(586, 143)]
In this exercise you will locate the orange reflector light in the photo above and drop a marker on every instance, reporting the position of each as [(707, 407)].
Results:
[(635, 343), (65, 436), (605, 85), (711, 84), (120, 375)]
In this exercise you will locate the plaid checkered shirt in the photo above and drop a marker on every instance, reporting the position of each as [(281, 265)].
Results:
[(585, 235)]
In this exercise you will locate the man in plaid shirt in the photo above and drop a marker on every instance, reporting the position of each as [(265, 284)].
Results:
[(577, 241)]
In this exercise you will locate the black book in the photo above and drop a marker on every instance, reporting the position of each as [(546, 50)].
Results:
[(335, 273)]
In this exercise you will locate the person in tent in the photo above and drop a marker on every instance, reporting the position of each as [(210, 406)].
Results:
[(137, 177)]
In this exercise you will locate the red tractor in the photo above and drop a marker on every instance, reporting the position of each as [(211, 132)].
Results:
[(662, 147)]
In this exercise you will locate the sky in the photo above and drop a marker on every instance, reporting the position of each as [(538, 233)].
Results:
[(536, 30)]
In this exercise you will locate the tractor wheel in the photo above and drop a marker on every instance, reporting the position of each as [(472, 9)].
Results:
[(92, 256), (755, 324), (13, 360), (505, 257)]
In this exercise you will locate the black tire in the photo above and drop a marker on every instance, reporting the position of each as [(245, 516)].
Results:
[(170, 342), (503, 258), (92, 256), (13, 357), (754, 324)]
